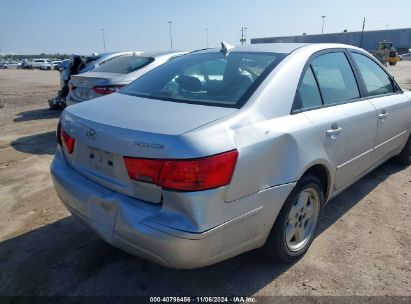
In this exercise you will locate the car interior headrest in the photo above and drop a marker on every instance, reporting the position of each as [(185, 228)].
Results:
[(189, 83)]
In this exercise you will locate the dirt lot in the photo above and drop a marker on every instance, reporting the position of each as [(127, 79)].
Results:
[(363, 248)]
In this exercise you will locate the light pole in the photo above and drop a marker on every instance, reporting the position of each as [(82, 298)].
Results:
[(362, 32), (322, 28), (243, 35), (207, 38), (171, 36), (104, 40)]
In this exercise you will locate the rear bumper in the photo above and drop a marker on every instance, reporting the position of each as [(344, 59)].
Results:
[(125, 222)]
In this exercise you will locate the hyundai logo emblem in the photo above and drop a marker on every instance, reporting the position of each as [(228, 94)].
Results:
[(90, 133)]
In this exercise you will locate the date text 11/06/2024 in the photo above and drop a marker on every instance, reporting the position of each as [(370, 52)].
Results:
[(236, 299)]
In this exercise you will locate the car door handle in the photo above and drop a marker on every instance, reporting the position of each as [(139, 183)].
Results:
[(383, 115), (334, 131)]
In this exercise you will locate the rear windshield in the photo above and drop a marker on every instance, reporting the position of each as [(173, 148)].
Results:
[(207, 78), (124, 64)]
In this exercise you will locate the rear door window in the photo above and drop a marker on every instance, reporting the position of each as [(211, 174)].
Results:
[(335, 78), (376, 81)]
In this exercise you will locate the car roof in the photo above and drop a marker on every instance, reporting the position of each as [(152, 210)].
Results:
[(161, 53), (270, 47), (155, 54), (284, 48)]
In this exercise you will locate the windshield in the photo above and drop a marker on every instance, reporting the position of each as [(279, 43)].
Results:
[(124, 64), (207, 78)]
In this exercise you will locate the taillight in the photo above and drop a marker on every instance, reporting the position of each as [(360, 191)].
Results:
[(105, 90), (67, 140), (184, 175), (58, 133), (144, 170)]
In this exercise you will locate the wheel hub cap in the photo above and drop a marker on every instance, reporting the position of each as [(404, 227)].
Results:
[(302, 219)]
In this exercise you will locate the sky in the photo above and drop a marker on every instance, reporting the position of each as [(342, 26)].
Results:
[(75, 26)]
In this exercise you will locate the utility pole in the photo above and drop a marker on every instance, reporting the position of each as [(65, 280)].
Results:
[(243, 35), (362, 32), (322, 28), (207, 38), (171, 36), (104, 40)]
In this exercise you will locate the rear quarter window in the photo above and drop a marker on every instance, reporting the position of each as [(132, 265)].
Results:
[(308, 91)]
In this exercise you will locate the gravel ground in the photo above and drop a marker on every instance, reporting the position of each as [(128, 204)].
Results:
[(363, 247)]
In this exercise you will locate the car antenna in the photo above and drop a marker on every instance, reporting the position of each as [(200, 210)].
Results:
[(226, 48)]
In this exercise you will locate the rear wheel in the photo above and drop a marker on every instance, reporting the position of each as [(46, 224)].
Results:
[(393, 63), (297, 223), (404, 157)]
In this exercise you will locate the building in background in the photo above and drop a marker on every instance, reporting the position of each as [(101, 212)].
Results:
[(401, 39)]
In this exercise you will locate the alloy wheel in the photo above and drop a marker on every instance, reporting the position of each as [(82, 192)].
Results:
[(302, 219)]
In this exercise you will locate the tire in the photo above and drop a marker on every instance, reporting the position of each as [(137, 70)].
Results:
[(53, 106), (277, 246), (393, 63), (404, 158)]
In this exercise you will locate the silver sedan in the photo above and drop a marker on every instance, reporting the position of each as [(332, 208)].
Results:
[(222, 151), (114, 75)]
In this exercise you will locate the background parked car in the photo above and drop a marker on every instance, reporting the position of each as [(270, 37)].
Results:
[(42, 64), (406, 56), (10, 65), (56, 64), (78, 64), (115, 74), (98, 59)]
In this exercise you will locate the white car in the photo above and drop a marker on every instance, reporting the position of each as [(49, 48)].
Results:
[(10, 65), (406, 56), (56, 64), (42, 64)]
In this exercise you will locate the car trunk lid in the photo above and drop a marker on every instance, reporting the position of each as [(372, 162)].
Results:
[(83, 84), (119, 125)]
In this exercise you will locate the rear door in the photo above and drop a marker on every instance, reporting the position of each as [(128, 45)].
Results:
[(344, 123), (392, 105)]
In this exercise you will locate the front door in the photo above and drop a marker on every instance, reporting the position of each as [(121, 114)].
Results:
[(391, 104)]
